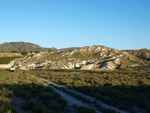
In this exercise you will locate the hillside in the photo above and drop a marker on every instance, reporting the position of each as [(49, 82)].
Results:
[(20, 46), (86, 58), (142, 53)]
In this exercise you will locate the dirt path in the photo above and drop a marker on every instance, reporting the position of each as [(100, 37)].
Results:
[(71, 100), (92, 99)]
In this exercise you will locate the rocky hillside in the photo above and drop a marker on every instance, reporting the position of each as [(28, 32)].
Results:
[(20, 46), (86, 58), (142, 53)]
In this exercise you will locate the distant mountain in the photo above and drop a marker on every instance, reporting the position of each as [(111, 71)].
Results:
[(21, 46), (69, 48)]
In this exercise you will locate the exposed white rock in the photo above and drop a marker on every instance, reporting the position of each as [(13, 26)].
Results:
[(86, 58), (117, 61), (77, 65), (108, 66), (88, 67), (7, 65), (134, 65), (70, 65)]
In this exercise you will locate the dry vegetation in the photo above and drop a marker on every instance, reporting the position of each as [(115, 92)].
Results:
[(37, 98), (123, 89), (31, 94)]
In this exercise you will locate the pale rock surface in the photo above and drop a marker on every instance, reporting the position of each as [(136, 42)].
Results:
[(7, 65), (108, 66)]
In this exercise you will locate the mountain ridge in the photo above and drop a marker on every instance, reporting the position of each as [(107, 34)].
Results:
[(85, 58), (21, 46)]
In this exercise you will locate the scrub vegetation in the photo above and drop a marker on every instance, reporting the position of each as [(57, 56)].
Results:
[(30, 91), (124, 89)]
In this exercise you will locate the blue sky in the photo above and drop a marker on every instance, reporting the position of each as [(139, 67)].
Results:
[(120, 24)]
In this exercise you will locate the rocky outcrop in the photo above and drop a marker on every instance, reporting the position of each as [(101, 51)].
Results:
[(90, 67), (86, 58), (108, 66)]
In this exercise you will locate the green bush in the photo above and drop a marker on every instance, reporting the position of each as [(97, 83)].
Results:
[(45, 97), (39, 107), (49, 111), (29, 105), (85, 110), (54, 105)]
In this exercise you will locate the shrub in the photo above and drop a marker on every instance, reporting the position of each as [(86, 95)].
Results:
[(148, 108), (85, 110), (49, 111), (39, 108), (54, 105), (29, 105), (45, 97)]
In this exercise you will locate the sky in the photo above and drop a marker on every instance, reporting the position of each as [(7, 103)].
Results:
[(119, 24)]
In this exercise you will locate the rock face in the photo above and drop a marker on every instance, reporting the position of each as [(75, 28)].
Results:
[(89, 67), (86, 58), (108, 66)]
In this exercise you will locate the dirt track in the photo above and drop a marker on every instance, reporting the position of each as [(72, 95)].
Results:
[(71, 100)]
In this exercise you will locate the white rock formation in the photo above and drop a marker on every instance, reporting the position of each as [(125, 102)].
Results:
[(7, 65)]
